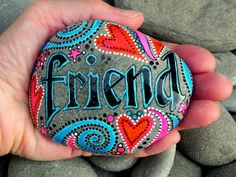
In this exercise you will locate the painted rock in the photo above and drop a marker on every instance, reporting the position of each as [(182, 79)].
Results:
[(103, 87)]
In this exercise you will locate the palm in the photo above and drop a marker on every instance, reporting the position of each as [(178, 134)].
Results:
[(14, 87)]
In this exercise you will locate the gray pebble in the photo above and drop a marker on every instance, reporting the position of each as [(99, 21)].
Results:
[(157, 165), (114, 164), (10, 10), (212, 145), (210, 24), (103, 173), (230, 103), (76, 167), (226, 64), (183, 167), (228, 170)]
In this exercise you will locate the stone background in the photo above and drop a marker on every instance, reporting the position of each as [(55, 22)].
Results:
[(208, 151)]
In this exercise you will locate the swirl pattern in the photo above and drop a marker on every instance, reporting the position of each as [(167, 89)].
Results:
[(91, 135)]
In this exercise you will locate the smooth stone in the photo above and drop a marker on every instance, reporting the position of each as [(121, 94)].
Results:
[(113, 164), (102, 87), (212, 145), (103, 173), (183, 167), (230, 103), (210, 24), (228, 170), (157, 165), (78, 167), (10, 10), (226, 64)]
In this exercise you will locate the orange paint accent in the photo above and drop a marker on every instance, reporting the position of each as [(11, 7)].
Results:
[(118, 41), (158, 45)]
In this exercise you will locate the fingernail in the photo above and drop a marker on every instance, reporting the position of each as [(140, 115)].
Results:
[(131, 13), (76, 153)]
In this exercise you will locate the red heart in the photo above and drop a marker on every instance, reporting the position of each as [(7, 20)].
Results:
[(35, 98), (134, 131), (119, 42)]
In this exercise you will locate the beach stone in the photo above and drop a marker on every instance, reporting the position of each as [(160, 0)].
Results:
[(212, 145), (210, 24), (103, 173), (156, 165), (228, 170), (113, 164), (183, 167), (105, 88), (10, 10), (226, 64), (230, 103), (78, 167)]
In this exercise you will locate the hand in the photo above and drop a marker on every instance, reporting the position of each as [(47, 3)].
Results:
[(22, 41)]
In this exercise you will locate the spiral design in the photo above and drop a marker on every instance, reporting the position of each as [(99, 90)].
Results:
[(73, 35), (91, 135), (72, 30)]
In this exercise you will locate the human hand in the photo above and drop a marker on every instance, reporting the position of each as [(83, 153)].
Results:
[(22, 41)]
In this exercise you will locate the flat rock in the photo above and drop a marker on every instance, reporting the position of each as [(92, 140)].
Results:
[(183, 167), (156, 165), (210, 24), (228, 170), (78, 167), (212, 145), (103, 173), (226, 64), (108, 89), (113, 164), (230, 103), (10, 10)]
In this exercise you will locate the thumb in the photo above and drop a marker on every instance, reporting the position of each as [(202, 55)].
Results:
[(25, 38)]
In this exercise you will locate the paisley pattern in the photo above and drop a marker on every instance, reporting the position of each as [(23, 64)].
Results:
[(105, 88)]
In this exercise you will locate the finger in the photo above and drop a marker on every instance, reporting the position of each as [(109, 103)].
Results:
[(200, 113), (162, 145), (211, 86), (45, 149), (33, 145), (198, 59), (44, 18)]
